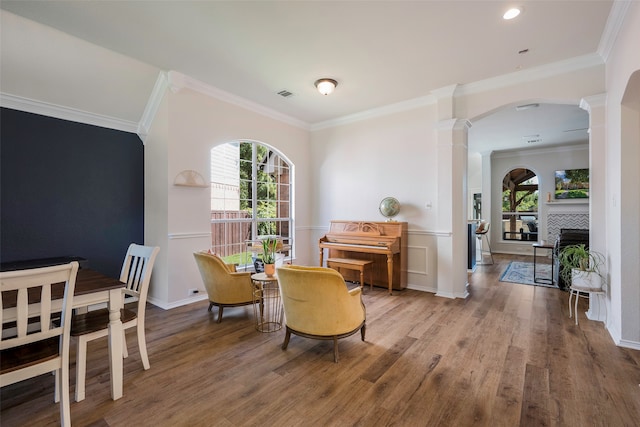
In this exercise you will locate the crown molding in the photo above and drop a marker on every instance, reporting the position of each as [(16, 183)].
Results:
[(531, 74), (589, 102), (542, 150), (151, 109), (179, 81), (498, 82), (66, 113), (453, 124), (612, 28), (398, 107)]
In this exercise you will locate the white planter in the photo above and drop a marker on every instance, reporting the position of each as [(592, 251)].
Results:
[(586, 279)]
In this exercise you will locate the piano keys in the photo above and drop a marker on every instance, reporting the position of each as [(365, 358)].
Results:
[(384, 243)]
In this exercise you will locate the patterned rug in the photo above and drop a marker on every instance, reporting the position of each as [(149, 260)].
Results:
[(522, 272)]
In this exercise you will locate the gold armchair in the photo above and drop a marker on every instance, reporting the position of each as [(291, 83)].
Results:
[(225, 286), (318, 305)]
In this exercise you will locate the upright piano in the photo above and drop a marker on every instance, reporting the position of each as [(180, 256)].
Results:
[(384, 243)]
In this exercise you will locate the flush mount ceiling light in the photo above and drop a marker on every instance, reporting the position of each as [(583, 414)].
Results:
[(326, 86), (512, 13)]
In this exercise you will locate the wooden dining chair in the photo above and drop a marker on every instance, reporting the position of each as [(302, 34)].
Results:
[(35, 344), (85, 327)]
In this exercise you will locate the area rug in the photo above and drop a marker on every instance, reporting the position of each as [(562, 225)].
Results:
[(522, 272)]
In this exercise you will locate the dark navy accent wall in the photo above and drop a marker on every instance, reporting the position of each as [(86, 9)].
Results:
[(69, 189)]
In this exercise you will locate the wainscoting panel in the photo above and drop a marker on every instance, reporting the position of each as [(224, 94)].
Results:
[(418, 260)]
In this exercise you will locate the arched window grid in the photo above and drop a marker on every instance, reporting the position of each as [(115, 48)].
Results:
[(520, 198), (251, 189)]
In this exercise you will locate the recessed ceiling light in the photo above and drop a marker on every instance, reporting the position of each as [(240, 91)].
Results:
[(512, 13)]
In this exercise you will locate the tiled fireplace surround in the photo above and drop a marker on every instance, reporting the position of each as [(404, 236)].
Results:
[(557, 220)]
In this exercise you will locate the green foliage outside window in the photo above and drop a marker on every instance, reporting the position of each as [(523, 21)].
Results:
[(266, 188), (529, 202)]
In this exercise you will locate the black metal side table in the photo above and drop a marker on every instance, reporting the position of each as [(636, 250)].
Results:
[(543, 245)]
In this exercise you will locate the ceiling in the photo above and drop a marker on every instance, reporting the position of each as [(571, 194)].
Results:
[(380, 52)]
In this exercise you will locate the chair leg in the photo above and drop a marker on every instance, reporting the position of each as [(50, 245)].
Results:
[(489, 246), (363, 331), (125, 352), (62, 381), (335, 349), (220, 308), (81, 368), (287, 337), (56, 390), (210, 306), (142, 344), (575, 308), (570, 296)]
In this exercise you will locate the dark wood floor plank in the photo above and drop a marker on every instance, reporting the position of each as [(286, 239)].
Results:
[(507, 355)]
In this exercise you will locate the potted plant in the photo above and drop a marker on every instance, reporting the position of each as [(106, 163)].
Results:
[(269, 249), (581, 266)]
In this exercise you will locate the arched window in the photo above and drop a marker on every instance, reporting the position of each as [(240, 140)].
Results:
[(251, 187), (520, 205)]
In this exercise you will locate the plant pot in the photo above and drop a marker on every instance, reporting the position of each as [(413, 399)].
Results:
[(269, 269), (586, 279)]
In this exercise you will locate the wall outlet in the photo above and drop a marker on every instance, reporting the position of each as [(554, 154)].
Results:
[(193, 292)]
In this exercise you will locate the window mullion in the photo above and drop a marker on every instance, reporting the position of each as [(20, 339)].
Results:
[(254, 189)]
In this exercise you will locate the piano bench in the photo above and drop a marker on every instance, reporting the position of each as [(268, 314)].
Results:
[(353, 264)]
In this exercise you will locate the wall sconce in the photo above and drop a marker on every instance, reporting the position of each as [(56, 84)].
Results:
[(326, 86)]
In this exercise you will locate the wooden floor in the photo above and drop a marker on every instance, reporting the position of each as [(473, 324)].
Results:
[(508, 355)]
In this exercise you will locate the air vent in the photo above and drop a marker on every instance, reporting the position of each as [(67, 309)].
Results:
[(532, 139), (527, 107), (285, 93), (575, 130)]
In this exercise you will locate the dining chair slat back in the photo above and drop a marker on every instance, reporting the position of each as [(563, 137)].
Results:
[(33, 344), (136, 276)]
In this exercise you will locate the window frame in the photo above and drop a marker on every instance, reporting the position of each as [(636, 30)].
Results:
[(263, 170)]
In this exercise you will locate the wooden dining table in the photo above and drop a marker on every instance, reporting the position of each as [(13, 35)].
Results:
[(93, 288)]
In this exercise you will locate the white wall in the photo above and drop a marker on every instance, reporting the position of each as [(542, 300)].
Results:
[(183, 134), (623, 199), (356, 165), (396, 155)]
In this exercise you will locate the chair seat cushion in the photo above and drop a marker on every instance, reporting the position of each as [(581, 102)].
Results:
[(23, 356), (96, 320)]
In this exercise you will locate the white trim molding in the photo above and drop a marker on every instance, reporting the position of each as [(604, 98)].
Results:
[(173, 236), (19, 103), (612, 28), (179, 81), (151, 109)]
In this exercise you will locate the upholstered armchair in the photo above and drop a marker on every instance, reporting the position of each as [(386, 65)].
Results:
[(225, 286), (318, 304)]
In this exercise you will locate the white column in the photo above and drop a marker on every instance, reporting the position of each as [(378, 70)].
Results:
[(452, 208), (596, 107)]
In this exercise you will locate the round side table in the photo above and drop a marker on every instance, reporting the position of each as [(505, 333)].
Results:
[(267, 306)]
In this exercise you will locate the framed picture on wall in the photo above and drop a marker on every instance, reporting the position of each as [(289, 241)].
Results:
[(572, 184)]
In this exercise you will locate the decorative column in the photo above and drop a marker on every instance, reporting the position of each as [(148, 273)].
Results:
[(452, 196), (596, 107)]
